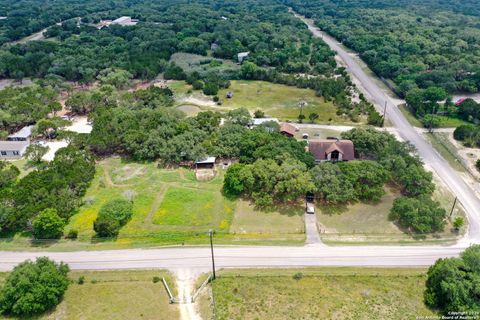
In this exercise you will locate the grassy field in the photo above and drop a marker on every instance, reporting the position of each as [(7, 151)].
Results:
[(439, 140), (129, 294), (445, 122), (368, 223), (194, 62), (275, 100), (320, 293), (169, 207)]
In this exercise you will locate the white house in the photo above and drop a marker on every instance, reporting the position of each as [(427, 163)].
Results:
[(242, 55), (12, 149), (21, 135)]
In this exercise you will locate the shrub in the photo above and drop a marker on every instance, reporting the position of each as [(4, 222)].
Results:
[(112, 216), (298, 276), (72, 234), (464, 131), (81, 280), (197, 85), (216, 99), (34, 287), (259, 114), (458, 223), (48, 225), (156, 279), (477, 164), (210, 88)]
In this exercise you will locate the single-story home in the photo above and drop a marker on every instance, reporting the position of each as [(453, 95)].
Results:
[(23, 134), (331, 150), (288, 129), (13, 149)]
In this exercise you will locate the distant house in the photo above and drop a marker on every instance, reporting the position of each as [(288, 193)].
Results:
[(258, 121), (13, 149), (21, 135), (288, 129), (242, 55), (125, 21), (332, 150)]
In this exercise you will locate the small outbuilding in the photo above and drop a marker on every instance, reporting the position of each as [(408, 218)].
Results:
[(206, 163), (288, 129), (332, 150)]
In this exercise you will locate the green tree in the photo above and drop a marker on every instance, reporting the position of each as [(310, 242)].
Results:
[(112, 216), (232, 183), (452, 283), (116, 77), (313, 117), (34, 154), (48, 225), (458, 223), (8, 174), (34, 287), (419, 215), (330, 183), (240, 116), (211, 88)]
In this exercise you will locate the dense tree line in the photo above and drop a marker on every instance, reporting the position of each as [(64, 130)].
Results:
[(415, 44), (46, 198), (22, 106), (273, 37)]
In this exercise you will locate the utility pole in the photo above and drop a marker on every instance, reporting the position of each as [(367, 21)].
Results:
[(453, 207), (210, 232), (384, 114)]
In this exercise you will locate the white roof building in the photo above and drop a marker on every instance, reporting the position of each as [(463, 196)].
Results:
[(259, 121), (21, 135), (242, 55), (13, 149), (125, 21)]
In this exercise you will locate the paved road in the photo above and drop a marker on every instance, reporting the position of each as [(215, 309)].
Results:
[(198, 259), (451, 178)]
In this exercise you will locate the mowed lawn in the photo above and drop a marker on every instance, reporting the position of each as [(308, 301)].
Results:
[(276, 100), (129, 294), (320, 293)]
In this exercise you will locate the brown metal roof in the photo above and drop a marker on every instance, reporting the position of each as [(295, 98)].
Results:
[(320, 148), (288, 128)]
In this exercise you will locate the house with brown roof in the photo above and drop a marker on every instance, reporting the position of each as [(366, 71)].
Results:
[(331, 150), (288, 129)]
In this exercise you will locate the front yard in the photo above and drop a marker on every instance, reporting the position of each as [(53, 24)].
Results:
[(319, 293)]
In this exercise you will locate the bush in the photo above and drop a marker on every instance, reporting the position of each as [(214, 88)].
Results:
[(298, 276), (216, 99), (156, 279), (259, 114), (34, 287), (112, 216), (48, 225), (477, 164), (464, 131), (197, 85), (72, 234), (458, 223), (210, 88), (81, 280), (420, 215)]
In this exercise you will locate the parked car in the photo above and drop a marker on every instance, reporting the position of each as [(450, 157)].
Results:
[(310, 208)]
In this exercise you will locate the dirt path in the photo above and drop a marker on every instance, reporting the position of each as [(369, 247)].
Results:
[(156, 204)]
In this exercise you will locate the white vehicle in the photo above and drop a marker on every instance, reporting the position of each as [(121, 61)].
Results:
[(310, 208)]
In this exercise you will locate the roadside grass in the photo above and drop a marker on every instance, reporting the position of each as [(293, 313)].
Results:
[(446, 149), (445, 121), (320, 293), (276, 100), (368, 223), (286, 220), (126, 294)]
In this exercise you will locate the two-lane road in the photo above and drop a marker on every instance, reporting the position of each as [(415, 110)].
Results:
[(198, 258), (449, 176)]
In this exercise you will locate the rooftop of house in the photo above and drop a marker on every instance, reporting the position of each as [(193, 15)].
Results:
[(320, 148), (13, 145), (288, 128), (25, 132)]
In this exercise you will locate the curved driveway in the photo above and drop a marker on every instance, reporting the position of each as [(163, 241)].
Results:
[(198, 258)]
